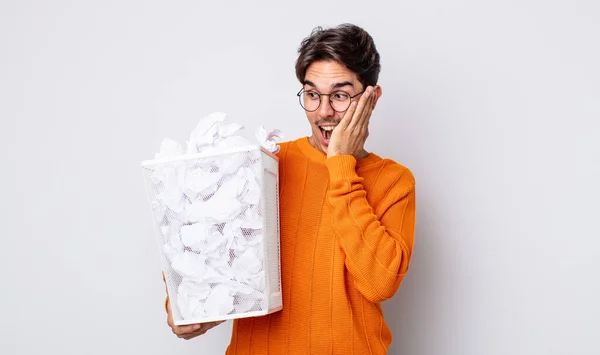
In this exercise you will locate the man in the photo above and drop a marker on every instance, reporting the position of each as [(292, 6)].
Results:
[(347, 215)]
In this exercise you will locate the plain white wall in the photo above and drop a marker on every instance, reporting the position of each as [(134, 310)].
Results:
[(494, 105)]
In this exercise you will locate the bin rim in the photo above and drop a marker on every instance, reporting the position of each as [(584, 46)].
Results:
[(245, 148)]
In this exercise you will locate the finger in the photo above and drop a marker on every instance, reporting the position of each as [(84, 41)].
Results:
[(362, 104), (203, 329), (363, 121), (183, 331), (367, 113), (195, 334), (194, 328), (347, 116), (186, 329)]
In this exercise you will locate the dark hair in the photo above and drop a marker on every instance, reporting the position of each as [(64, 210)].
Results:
[(346, 44)]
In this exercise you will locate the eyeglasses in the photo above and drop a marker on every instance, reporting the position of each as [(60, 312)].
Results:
[(311, 100)]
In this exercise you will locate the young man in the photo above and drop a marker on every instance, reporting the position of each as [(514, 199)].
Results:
[(347, 216)]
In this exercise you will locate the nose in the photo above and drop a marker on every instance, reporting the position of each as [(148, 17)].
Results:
[(325, 110)]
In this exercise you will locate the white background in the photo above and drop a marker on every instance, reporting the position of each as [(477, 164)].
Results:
[(494, 105)]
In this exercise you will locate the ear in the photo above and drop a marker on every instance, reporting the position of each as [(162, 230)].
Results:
[(377, 92)]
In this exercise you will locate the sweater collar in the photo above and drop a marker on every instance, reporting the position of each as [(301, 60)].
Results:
[(317, 156)]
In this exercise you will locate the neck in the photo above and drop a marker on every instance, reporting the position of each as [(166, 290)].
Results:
[(362, 154)]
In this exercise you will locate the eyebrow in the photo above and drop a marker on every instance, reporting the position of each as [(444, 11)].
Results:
[(334, 86)]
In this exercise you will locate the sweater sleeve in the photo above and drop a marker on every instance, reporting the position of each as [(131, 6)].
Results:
[(378, 246)]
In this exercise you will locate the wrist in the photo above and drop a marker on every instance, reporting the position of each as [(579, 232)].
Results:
[(341, 166)]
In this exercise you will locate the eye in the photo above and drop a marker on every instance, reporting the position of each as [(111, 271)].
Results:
[(313, 95), (340, 96)]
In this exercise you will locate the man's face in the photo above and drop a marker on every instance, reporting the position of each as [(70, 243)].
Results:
[(325, 77)]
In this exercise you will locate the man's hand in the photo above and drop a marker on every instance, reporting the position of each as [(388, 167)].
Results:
[(351, 133), (190, 331)]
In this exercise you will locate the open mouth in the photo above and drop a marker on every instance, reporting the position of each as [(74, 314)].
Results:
[(326, 132)]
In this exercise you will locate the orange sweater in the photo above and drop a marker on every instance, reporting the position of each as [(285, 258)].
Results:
[(347, 230)]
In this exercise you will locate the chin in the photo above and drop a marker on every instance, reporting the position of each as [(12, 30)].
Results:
[(319, 142)]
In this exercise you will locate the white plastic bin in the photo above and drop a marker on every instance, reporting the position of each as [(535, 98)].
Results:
[(217, 222)]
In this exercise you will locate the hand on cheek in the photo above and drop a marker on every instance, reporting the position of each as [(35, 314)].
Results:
[(349, 137)]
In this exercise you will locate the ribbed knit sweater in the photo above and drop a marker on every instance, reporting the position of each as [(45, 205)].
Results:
[(347, 231)]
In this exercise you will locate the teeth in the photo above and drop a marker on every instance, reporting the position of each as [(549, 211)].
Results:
[(328, 128)]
